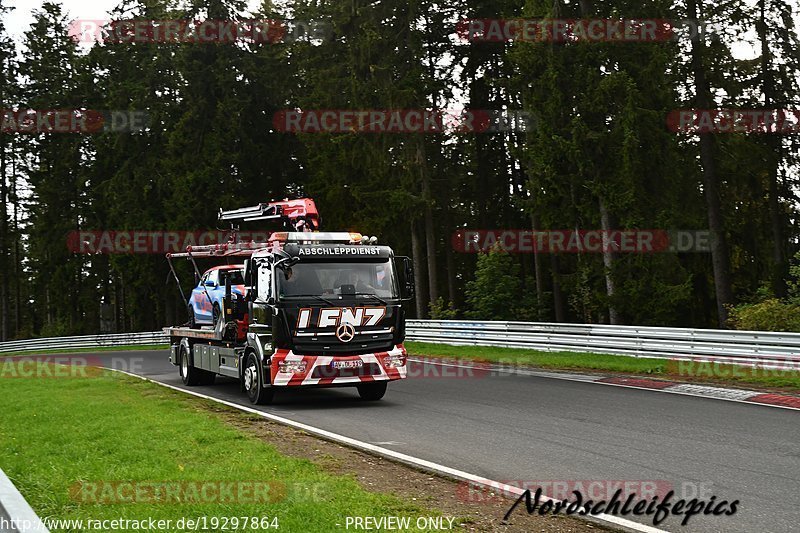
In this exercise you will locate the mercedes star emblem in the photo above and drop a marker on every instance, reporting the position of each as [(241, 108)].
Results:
[(345, 332)]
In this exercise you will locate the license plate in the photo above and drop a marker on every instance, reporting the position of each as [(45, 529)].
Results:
[(347, 364)]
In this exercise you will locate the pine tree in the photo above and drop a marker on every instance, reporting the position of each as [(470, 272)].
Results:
[(8, 94), (49, 62)]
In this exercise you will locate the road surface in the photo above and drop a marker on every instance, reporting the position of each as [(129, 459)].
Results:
[(535, 430)]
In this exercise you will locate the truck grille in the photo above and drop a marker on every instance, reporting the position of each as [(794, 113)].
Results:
[(334, 347)]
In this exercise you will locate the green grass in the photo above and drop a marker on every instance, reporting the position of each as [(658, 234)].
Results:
[(92, 350), (55, 433), (560, 360), (658, 368)]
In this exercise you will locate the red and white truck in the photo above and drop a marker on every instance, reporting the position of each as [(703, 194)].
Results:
[(320, 309)]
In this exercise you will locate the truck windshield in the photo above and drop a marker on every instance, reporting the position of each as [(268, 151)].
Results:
[(321, 279)]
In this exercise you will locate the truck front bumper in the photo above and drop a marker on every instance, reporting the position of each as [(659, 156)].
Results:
[(289, 369)]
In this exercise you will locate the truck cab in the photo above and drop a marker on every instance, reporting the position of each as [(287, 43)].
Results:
[(326, 310)]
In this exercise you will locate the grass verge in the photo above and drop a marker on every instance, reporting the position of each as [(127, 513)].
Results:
[(56, 433), (787, 380)]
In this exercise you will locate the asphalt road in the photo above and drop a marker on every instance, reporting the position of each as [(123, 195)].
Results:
[(527, 429)]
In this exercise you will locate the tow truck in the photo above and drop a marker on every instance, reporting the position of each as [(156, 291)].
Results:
[(320, 309)]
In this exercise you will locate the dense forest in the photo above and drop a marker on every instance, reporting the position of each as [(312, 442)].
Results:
[(595, 152)]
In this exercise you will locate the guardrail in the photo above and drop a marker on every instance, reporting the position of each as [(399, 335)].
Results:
[(762, 348), (86, 341), (16, 516)]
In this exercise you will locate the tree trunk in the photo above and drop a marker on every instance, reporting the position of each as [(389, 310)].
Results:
[(558, 296), (608, 260), (450, 264), (720, 257), (538, 271), (430, 234), (4, 247), (419, 283), (4, 240), (17, 260), (780, 266), (117, 298)]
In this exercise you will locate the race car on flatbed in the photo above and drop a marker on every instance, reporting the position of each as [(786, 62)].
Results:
[(205, 303), (318, 309)]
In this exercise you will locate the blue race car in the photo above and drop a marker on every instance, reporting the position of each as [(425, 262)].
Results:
[(205, 304)]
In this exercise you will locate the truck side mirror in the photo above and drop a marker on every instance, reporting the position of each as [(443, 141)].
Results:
[(407, 288), (263, 281), (249, 281)]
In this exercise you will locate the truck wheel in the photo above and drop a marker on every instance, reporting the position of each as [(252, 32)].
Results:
[(256, 392), (372, 392), (189, 374)]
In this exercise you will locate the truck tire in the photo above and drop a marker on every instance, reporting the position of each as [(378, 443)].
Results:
[(372, 392), (189, 374), (253, 381)]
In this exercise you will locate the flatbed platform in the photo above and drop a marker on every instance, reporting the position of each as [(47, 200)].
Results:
[(193, 333)]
